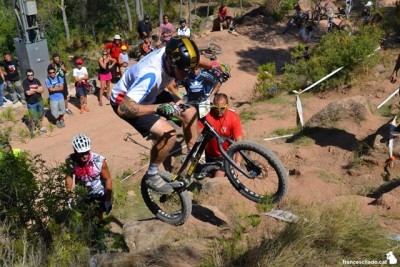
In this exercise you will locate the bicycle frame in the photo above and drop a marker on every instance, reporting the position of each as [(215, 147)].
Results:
[(198, 149)]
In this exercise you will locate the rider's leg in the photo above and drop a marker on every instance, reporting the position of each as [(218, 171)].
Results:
[(166, 137), (190, 126)]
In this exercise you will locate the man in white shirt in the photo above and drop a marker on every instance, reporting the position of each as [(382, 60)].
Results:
[(183, 30), (81, 75)]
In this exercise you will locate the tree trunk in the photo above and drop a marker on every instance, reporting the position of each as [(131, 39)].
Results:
[(118, 14), (160, 11), (65, 20), (195, 7), (208, 8), (128, 15), (138, 8), (241, 7), (189, 15), (180, 8)]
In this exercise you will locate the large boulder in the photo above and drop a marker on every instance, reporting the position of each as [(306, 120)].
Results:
[(340, 113)]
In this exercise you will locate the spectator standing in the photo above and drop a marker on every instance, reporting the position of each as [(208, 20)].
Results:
[(305, 33), (10, 66), (183, 29), (81, 75), (61, 71), (393, 78), (106, 63), (91, 171), (144, 27), (2, 83), (55, 85), (114, 49), (123, 61), (166, 31), (33, 94), (227, 123)]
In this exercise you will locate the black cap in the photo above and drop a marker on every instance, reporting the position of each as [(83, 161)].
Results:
[(55, 54), (146, 16)]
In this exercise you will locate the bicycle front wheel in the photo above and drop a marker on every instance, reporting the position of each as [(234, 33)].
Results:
[(267, 176), (174, 208)]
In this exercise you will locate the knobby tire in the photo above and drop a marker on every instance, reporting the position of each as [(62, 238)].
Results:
[(270, 181), (173, 209), (216, 49)]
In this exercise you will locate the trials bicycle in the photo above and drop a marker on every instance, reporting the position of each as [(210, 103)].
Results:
[(253, 170), (211, 50)]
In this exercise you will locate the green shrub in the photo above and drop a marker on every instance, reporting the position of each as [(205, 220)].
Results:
[(266, 86), (336, 49)]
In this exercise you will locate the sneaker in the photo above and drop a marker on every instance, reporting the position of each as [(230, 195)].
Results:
[(86, 107), (58, 124), (62, 123), (69, 112), (156, 183), (43, 130), (81, 111), (100, 102)]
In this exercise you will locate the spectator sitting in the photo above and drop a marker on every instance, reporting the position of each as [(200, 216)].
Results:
[(33, 94), (144, 27), (55, 85), (183, 29), (146, 47), (91, 171), (81, 76), (223, 16), (227, 123)]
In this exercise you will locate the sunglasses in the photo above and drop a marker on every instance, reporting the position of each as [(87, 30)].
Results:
[(220, 108), (29, 75), (52, 72)]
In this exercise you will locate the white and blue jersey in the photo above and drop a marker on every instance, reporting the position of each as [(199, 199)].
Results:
[(144, 81), (199, 87)]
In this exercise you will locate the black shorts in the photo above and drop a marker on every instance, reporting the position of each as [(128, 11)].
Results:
[(81, 90), (65, 90), (210, 159), (143, 124)]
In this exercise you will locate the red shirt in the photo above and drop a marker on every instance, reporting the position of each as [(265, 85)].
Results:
[(227, 126), (115, 49)]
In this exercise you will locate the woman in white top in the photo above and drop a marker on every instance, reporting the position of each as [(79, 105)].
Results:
[(183, 30)]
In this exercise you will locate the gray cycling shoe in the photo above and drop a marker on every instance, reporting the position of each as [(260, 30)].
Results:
[(157, 183)]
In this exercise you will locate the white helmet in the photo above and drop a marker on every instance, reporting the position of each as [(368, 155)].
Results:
[(369, 3), (81, 143)]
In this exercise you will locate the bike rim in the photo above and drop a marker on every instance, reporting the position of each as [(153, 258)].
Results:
[(169, 206), (264, 181)]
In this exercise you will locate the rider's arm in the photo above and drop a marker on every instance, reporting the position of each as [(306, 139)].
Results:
[(206, 63), (130, 109), (393, 78), (172, 88), (69, 181), (105, 173)]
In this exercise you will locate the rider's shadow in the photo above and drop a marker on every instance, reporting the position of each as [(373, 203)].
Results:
[(206, 215)]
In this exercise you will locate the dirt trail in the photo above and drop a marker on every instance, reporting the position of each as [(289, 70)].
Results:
[(322, 174)]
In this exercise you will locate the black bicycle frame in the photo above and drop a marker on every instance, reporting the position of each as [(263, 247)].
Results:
[(199, 147)]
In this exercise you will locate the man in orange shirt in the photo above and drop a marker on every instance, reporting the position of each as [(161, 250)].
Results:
[(227, 123), (114, 49)]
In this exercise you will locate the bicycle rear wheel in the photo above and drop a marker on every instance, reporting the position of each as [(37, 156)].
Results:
[(268, 177), (174, 208), (216, 49)]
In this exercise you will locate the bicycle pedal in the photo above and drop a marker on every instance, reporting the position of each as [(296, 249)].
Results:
[(177, 184)]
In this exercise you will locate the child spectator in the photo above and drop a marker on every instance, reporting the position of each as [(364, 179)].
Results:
[(81, 75)]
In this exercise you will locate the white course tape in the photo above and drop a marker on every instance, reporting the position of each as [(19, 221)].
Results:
[(389, 97)]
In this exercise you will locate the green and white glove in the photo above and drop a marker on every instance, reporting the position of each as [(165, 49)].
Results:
[(168, 109)]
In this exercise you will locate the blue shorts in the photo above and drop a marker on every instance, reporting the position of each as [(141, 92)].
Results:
[(36, 111)]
